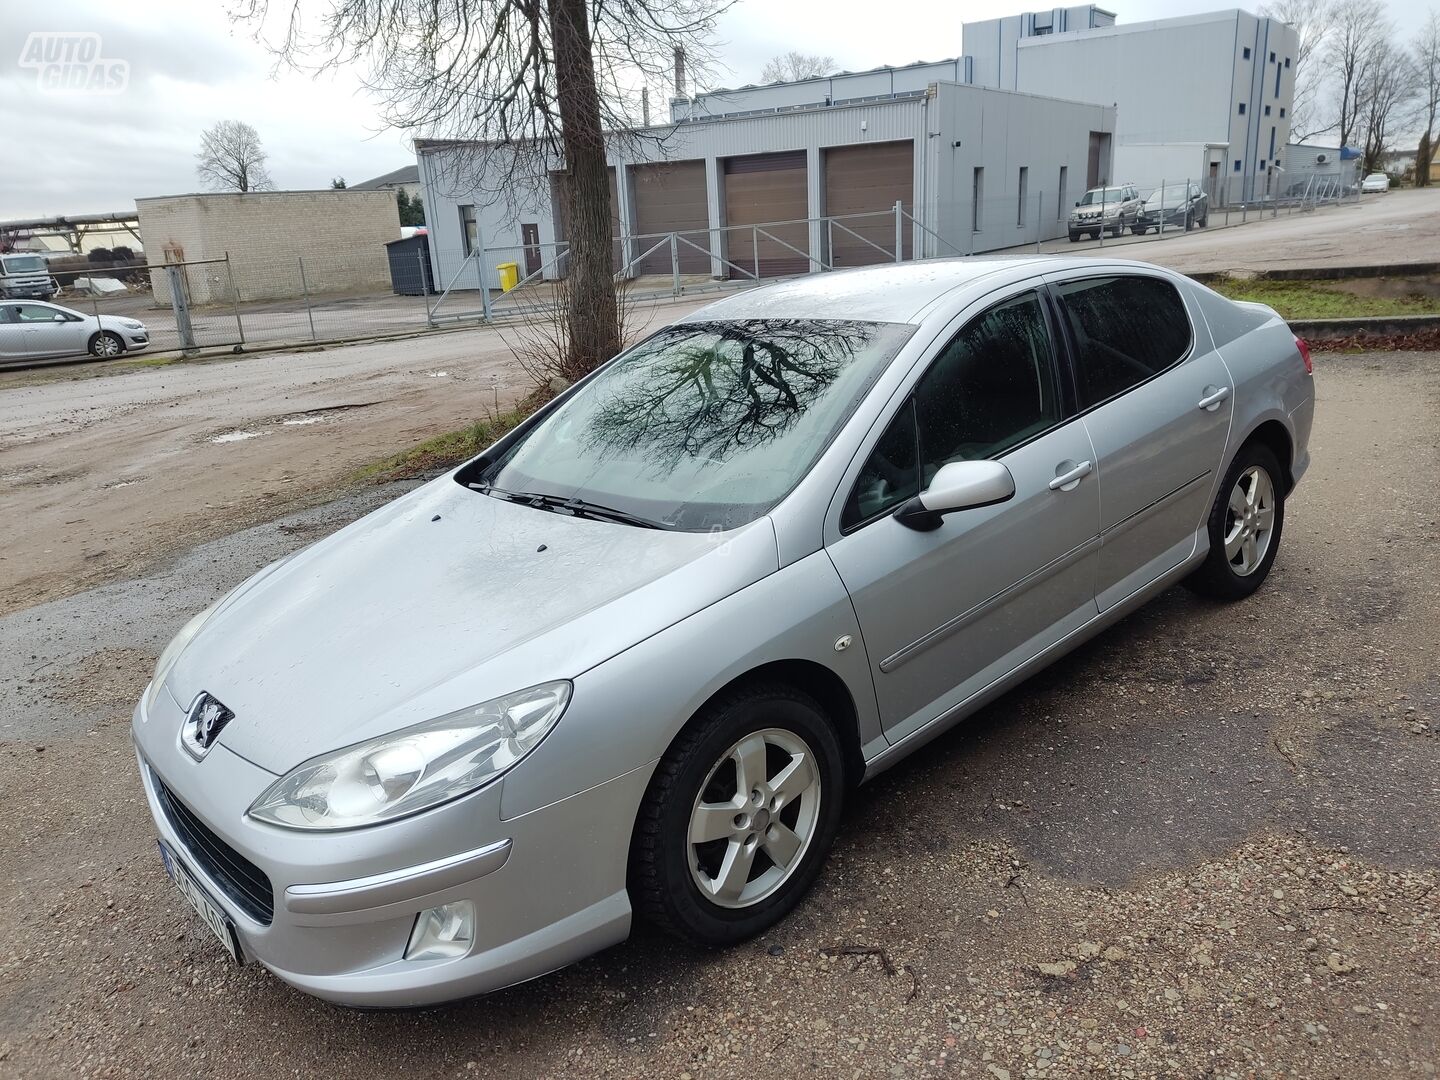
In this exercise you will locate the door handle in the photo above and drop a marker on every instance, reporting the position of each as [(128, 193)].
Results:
[(1067, 480), (1212, 399)]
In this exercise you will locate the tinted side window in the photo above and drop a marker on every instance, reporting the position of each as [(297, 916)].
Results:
[(992, 387), (1126, 329)]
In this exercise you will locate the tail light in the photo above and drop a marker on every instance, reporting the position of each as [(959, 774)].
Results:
[(1305, 355)]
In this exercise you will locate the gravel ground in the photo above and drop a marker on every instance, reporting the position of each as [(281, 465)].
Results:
[(1202, 846)]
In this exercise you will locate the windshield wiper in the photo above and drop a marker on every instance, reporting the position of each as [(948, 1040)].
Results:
[(577, 507)]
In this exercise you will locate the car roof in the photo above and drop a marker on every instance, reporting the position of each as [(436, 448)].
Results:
[(892, 292)]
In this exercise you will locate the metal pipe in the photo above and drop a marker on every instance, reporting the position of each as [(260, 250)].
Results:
[(305, 291)]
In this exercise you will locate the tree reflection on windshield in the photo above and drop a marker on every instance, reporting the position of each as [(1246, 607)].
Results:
[(739, 386)]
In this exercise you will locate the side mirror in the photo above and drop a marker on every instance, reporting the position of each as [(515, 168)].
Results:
[(960, 485), (57, 317)]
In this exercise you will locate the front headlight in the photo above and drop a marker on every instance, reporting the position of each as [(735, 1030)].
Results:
[(416, 768), (132, 324)]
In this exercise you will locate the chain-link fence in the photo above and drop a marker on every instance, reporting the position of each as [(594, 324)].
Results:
[(302, 297)]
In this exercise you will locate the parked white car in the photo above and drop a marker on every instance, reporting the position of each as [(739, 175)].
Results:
[(34, 330), (1376, 181)]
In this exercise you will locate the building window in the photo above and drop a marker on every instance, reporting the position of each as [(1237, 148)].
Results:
[(1272, 58), (1237, 164), (1267, 110), (1278, 72), (468, 235), (1272, 142), (1262, 163), (1024, 197), (1242, 108), (1060, 202), (1282, 112), (977, 194), (1287, 61), (1247, 52)]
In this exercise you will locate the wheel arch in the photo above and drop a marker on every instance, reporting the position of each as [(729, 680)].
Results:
[(90, 341), (1275, 437), (829, 690)]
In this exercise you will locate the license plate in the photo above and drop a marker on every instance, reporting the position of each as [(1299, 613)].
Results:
[(196, 897)]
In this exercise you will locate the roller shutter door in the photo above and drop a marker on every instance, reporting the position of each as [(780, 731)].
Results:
[(670, 197), (863, 180), (762, 189)]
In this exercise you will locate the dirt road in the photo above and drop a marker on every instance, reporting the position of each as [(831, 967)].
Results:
[(100, 476), (1203, 846)]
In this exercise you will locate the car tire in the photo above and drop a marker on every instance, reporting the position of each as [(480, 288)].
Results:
[(1074, 236), (1095, 234), (1189, 222), (1137, 230), (1205, 221), (694, 889), (1235, 571), (106, 345)]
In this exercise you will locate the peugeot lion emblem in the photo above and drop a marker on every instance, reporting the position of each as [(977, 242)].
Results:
[(203, 725)]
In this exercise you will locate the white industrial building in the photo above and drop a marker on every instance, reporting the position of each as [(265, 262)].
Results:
[(1199, 97), (807, 187), (982, 151)]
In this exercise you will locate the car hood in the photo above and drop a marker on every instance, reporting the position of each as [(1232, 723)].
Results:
[(441, 600), (1153, 202)]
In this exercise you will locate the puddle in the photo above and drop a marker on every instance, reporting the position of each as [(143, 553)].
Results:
[(300, 421), (234, 436), (438, 374)]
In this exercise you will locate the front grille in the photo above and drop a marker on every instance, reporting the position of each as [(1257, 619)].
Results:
[(243, 881)]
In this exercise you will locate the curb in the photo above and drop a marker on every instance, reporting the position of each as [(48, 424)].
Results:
[(1378, 326), (1319, 273)]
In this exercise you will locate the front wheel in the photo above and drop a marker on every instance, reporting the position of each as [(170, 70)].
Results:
[(738, 816), (1244, 526), (1074, 236), (106, 344)]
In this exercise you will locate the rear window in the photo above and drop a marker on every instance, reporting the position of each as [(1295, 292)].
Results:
[(1126, 330)]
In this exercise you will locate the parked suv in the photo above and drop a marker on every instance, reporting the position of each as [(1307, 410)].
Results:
[(1110, 208), (24, 276), (1176, 205)]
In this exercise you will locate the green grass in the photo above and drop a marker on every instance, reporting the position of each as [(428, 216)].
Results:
[(1322, 299), (443, 451)]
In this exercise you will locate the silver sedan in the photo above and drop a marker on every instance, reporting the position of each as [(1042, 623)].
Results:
[(632, 660), (36, 330)]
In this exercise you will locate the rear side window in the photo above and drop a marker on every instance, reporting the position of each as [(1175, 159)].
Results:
[(992, 387), (1126, 329)]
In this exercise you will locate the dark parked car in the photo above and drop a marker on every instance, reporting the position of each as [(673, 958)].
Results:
[(1173, 206)]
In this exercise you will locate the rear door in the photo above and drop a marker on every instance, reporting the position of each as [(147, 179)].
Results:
[(12, 333), (1156, 399), (945, 613)]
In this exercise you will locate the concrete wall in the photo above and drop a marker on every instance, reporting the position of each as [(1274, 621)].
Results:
[(341, 235)]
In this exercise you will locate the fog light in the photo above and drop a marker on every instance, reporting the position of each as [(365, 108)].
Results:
[(442, 933)]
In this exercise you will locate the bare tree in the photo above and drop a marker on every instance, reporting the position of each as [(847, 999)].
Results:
[(1387, 85), (793, 66), (1427, 73), (1312, 21), (232, 159), (1358, 26), (521, 88)]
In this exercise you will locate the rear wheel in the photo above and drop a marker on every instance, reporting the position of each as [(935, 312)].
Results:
[(106, 344), (1245, 525), (738, 816)]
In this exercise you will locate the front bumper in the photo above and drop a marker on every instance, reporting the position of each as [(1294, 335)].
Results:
[(135, 340), (1151, 219), (548, 886)]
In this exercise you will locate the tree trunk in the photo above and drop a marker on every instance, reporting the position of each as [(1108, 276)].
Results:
[(594, 335)]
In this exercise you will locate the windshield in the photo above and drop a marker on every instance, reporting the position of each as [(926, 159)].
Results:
[(1109, 194), (24, 264), (1169, 195), (705, 425)]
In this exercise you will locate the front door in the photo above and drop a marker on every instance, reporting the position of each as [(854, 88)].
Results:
[(1159, 403), (946, 612), (48, 331), (530, 237)]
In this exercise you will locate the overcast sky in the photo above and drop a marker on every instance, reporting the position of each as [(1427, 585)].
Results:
[(189, 67)]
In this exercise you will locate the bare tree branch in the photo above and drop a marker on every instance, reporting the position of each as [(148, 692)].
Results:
[(232, 159), (792, 66), (1312, 21)]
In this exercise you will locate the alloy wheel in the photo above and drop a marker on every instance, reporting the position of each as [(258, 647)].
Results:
[(1249, 521), (754, 818)]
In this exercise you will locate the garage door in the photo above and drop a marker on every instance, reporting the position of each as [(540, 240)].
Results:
[(762, 189), (562, 209), (864, 180), (670, 197)]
